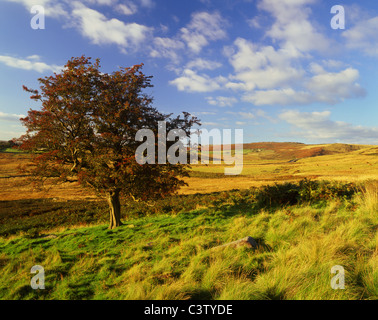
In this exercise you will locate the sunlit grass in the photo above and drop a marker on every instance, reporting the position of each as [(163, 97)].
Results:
[(166, 251), (171, 257)]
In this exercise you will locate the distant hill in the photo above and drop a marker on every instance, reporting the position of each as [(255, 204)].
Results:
[(294, 150)]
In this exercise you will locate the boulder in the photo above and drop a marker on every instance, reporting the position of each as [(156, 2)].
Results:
[(248, 241)]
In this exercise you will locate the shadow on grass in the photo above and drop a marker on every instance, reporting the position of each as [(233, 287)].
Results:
[(202, 294)]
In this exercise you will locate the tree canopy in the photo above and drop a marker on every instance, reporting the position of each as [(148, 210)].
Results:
[(85, 132)]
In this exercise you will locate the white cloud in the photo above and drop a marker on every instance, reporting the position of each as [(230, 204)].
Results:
[(147, 3), (269, 76), (284, 73), (325, 87), (247, 115), (10, 117), (262, 114), (127, 8), (244, 115), (317, 126), (280, 97), (100, 30), (30, 64), (29, 3), (210, 124), (292, 26), (35, 57), (333, 64), (261, 67), (167, 48), (205, 113), (203, 64), (203, 28), (10, 134), (363, 36), (255, 22), (53, 8), (190, 81), (335, 87), (58, 8), (164, 28), (101, 2), (222, 101)]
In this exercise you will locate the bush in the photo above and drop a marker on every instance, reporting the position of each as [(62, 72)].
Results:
[(277, 195), (33, 216), (306, 191), (310, 191), (6, 145)]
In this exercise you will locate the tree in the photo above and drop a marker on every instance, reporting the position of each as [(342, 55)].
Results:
[(85, 132)]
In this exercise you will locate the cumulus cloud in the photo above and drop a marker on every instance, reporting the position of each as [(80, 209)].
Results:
[(329, 88), (202, 29), (317, 126), (93, 24), (10, 134), (247, 115), (282, 97), (127, 8), (53, 8), (269, 76), (363, 36), (31, 63), (283, 73), (264, 75), (101, 30), (203, 64), (222, 101), (191, 81), (333, 87), (254, 115), (292, 26), (101, 2), (147, 3), (167, 48), (261, 67), (211, 124), (10, 116)]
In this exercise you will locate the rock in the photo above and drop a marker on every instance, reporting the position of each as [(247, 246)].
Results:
[(248, 241), (50, 236)]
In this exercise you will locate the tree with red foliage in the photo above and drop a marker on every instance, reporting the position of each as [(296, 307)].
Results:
[(85, 132)]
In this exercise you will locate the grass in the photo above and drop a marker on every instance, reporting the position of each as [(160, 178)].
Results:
[(166, 253), (263, 163), (165, 249), (11, 150)]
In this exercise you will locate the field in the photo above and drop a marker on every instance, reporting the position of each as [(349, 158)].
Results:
[(266, 163), (309, 208)]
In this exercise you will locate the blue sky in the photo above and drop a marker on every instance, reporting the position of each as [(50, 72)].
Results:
[(274, 68)]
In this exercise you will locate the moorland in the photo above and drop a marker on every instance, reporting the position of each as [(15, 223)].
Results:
[(309, 208)]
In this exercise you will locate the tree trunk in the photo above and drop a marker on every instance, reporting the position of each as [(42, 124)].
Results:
[(115, 209)]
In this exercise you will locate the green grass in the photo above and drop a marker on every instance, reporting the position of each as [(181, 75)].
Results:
[(168, 255), (11, 150)]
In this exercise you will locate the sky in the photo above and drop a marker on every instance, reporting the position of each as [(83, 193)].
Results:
[(278, 69)]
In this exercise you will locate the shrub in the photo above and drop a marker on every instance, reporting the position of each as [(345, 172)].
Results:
[(34, 216), (306, 191), (310, 191), (277, 195)]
